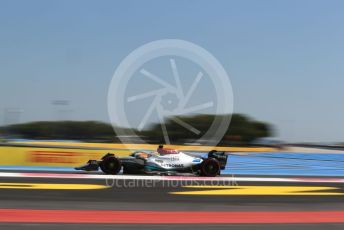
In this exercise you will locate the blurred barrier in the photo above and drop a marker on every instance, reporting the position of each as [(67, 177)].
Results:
[(147, 146), (64, 154), (54, 157)]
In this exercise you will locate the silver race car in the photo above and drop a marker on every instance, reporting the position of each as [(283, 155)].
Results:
[(162, 162)]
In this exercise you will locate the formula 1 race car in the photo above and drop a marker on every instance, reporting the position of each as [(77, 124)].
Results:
[(163, 162)]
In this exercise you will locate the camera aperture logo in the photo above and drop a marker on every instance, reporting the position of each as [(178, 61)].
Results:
[(170, 79)]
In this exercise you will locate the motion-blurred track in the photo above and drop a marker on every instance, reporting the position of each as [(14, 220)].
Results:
[(32, 199)]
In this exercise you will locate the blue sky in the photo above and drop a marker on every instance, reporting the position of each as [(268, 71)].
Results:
[(284, 58)]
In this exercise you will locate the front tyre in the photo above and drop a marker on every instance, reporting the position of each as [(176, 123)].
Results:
[(210, 167), (111, 165)]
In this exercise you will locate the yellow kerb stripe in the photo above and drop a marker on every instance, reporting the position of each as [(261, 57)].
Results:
[(51, 186), (260, 190)]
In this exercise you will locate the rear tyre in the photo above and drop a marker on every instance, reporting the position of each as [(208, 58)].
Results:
[(210, 167), (111, 165)]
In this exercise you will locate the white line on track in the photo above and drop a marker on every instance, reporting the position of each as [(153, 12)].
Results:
[(168, 178)]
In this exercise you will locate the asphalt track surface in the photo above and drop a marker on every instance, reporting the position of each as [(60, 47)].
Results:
[(147, 200)]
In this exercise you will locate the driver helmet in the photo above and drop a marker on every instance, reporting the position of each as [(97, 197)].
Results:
[(164, 151)]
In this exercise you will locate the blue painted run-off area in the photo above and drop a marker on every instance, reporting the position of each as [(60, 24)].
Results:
[(290, 164)]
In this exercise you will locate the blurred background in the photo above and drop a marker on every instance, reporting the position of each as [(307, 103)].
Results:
[(285, 142), (284, 59)]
